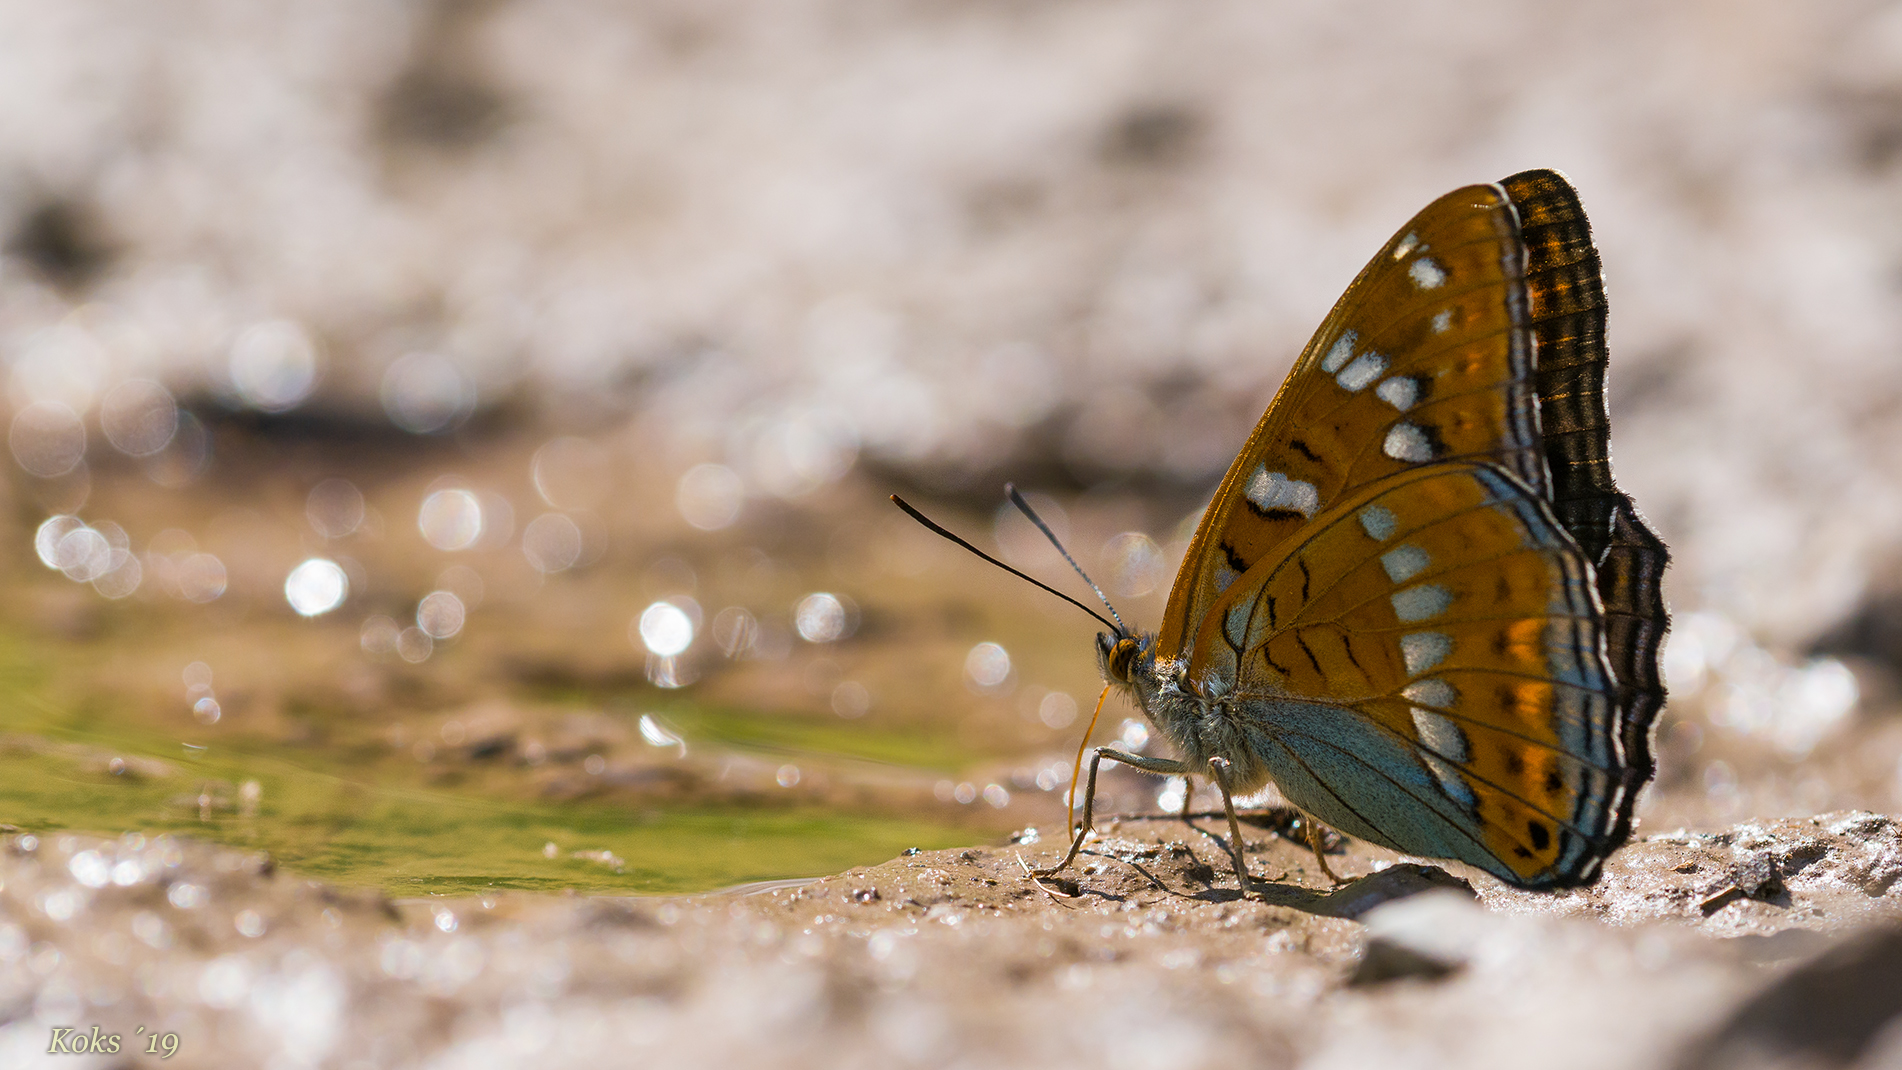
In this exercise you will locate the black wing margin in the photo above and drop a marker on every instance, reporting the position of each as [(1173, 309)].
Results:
[(1565, 295)]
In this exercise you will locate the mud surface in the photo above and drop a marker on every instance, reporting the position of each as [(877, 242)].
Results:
[(1770, 943)]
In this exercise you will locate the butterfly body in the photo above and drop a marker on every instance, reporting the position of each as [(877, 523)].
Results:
[(1418, 603)]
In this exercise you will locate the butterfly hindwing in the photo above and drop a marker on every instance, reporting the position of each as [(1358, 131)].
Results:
[(1424, 667)]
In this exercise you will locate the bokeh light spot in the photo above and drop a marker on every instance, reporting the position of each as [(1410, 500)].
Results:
[(665, 629), (735, 630), (987, 667), (1057, 709), (426, 393), (201, 578), (440, 614), (46, 538), (1134, 564), (274, 365), (378, 635), (710, 496), (820, 618), (122, 579), (451, 519), (571, 473), (47, 439), (334, 508), (83, 555), (139, 416), (551, 542), (414, 645), (316, 587)]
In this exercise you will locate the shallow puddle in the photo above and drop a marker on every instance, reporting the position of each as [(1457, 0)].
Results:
[(412, 840)]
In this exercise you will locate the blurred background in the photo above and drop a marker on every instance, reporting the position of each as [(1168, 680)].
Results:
[(449, 439)]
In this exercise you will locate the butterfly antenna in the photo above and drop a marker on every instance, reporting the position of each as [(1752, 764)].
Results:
[(921, 518), (1023, 506)]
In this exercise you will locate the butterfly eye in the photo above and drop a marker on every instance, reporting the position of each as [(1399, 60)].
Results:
[(1120, 658)]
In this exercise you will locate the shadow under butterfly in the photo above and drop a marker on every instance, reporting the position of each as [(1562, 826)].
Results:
[(1418, 603)]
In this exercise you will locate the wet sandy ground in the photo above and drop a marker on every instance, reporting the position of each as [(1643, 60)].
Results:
[(1765, 944)]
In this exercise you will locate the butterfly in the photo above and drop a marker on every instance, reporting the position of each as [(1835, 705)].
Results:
[(1417, 602)]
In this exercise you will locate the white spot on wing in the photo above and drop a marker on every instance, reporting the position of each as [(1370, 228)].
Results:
[(1422, 602), (1401, 392), (1441, 734), (1273, 490), (1377, 521), (1406, 442), (1406, 247), (1426, 274), (1365, 369), (1403, 562), (1224, 575), (1337, 354), (1431, 693), (1442, 320), (1450, 780), (1423, 650)]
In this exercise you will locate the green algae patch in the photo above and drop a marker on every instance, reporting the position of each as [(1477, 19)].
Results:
[(415, 841)]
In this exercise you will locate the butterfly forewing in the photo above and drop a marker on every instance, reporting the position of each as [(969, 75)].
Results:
[(1425, 358)]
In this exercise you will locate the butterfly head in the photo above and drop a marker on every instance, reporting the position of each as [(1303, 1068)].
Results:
[(1122, 657)]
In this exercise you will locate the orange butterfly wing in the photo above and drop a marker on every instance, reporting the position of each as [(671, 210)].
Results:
[(1421, 359), (1442, 626), (1476, 336)]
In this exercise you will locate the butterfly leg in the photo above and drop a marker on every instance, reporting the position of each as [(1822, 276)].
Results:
[(1313, 830), (1218, 770), (1164, 766)]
